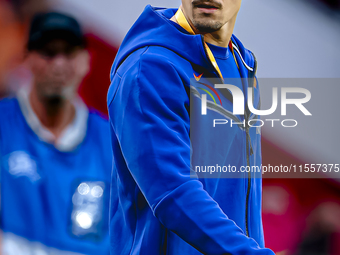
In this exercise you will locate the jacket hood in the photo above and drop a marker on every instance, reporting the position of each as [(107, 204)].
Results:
[(153, 28)]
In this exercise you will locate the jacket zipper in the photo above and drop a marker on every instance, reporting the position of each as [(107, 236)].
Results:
[(249, 150), (248, 142)]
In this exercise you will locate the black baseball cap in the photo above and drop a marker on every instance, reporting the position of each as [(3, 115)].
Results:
[(48, 26)]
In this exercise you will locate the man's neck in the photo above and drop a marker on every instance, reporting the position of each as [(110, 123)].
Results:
[(220, 38), (54, 116)]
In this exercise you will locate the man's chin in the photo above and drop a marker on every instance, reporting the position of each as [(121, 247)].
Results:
[(54, 100), (59, 91), (207, 26)]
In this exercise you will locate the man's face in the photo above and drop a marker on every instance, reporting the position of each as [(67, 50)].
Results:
[(210, 15), (58, 69)]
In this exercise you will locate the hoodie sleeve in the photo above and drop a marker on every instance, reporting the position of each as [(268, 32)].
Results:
[(149, 116)]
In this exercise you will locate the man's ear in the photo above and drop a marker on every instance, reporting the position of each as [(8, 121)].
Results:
[(28, 59), (82, 63)]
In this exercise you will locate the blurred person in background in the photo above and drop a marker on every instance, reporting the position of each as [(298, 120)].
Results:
[(15, 16), (55, 155)]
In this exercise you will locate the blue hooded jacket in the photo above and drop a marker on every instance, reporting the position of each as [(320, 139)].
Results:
[(164, 206)]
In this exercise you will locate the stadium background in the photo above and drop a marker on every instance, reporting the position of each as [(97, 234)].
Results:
[(291, 39)]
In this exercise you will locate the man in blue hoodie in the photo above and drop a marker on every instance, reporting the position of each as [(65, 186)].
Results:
[(158, 82)]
